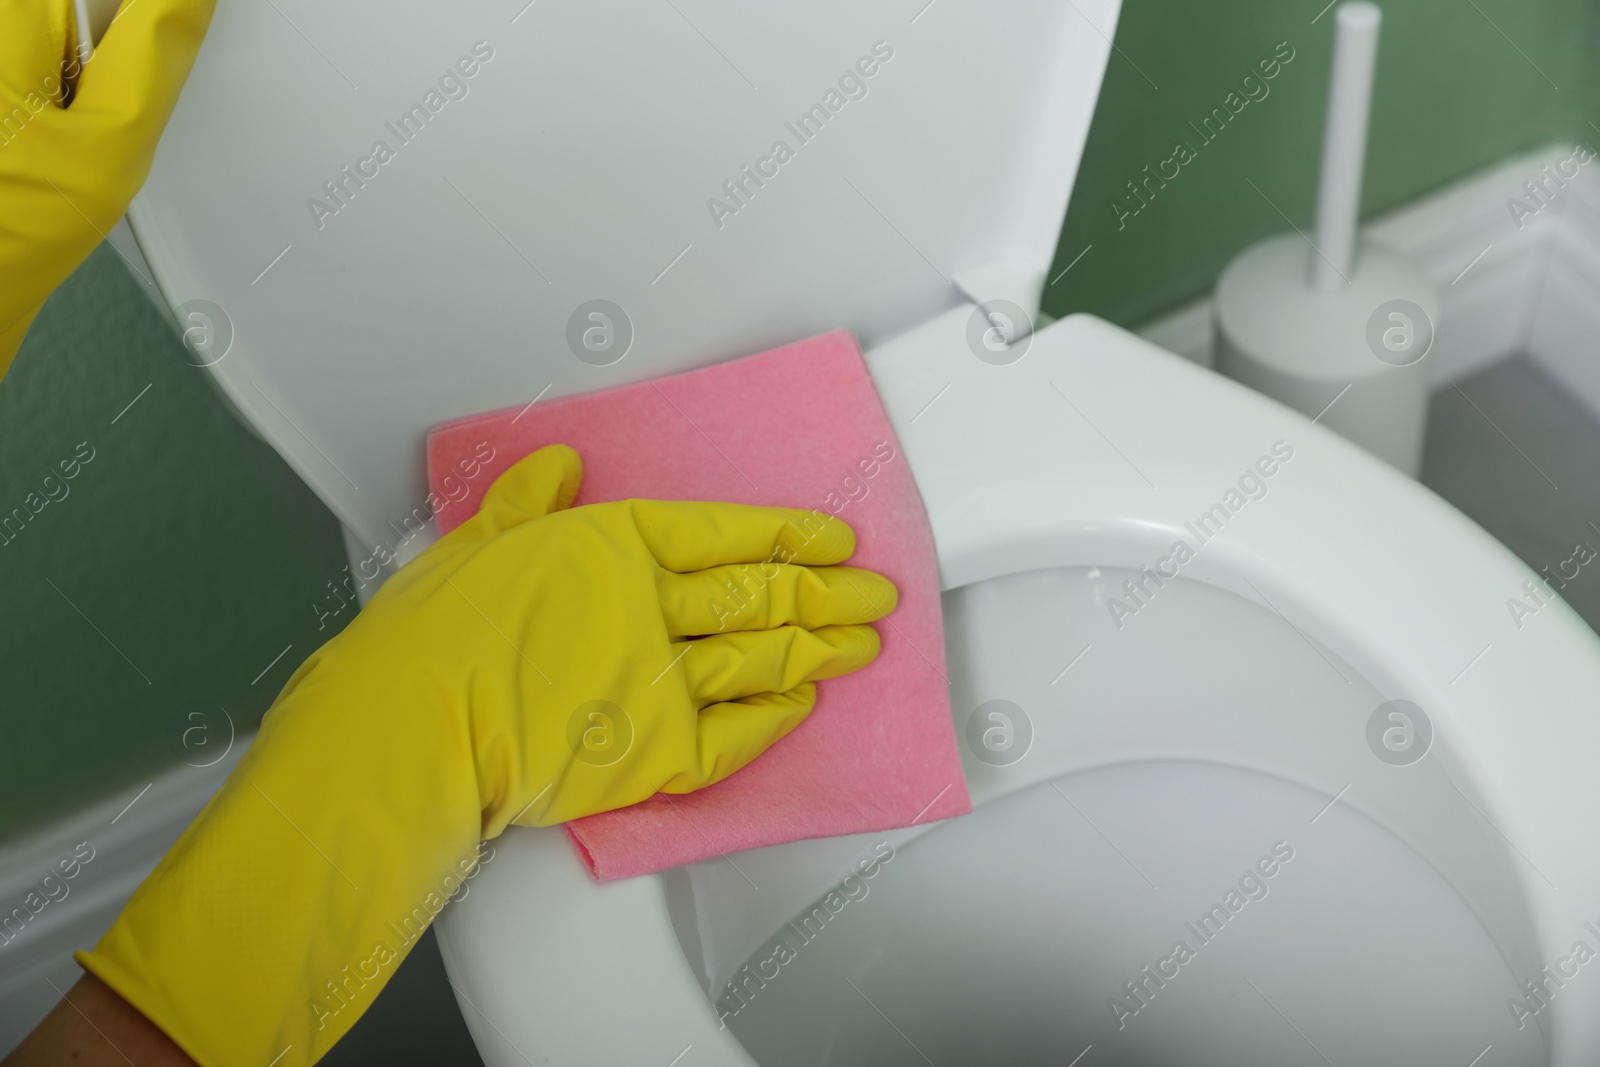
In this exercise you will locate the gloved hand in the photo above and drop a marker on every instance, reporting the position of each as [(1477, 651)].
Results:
[(71, 162), (537, 664)]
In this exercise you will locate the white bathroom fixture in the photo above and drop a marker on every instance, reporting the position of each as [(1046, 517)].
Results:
[(1319, 714)]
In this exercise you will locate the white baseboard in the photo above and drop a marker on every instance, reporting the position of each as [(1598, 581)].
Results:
[(127, 840), (1565, 340), (1504, 290)]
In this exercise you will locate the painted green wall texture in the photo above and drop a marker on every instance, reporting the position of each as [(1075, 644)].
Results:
[(170, 560), (1459, 84), (185, 556)]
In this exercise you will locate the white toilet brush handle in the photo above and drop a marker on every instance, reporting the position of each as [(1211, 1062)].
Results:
[(1344, 143), (80, 11)]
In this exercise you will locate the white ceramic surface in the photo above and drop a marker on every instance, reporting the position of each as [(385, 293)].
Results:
[(1346, 583)]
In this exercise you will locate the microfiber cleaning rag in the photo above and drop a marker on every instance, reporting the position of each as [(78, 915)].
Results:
[(799, 426)]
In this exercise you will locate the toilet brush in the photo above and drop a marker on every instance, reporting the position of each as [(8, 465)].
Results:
[(1326, 323)]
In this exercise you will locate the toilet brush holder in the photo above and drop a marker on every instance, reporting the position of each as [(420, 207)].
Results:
[(1352, 358), (1332, 326)]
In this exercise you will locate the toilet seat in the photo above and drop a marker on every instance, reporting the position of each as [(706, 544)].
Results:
[(1095, 449)]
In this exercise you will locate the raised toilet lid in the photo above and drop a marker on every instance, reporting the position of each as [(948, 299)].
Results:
[(392, 212), (1094, 450)]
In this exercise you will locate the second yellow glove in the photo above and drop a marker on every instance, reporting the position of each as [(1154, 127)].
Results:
[(70, 161)]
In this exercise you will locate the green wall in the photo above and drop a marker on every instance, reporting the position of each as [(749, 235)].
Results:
[(186, 546), (1452, 94), (172, 568)]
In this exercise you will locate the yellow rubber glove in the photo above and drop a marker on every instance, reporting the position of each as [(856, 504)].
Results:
[(71, 161), (463, 698)]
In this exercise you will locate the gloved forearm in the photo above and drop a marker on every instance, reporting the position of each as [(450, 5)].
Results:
[(284, 908), (462, 699)]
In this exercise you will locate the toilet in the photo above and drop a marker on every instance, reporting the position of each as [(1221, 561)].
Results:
[(1274, 756)]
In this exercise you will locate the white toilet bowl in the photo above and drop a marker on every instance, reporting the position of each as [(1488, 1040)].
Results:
[(1159, 759), (1165, 745)]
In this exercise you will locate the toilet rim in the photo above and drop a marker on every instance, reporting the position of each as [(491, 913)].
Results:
[(995, 502)]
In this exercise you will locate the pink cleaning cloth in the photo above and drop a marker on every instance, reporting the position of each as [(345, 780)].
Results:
[(799, 426)]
